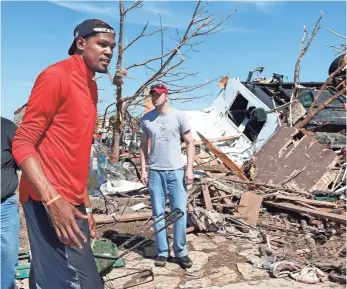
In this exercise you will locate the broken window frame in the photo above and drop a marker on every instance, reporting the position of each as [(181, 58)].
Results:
[(247, 128)]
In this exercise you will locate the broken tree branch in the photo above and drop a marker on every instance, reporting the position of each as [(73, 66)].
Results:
[(142, 34), (332, 31), (312, 111), (200, 24), (303, 50)]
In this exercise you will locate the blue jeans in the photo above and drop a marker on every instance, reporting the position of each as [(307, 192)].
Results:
[(159, 182), (9, 241)]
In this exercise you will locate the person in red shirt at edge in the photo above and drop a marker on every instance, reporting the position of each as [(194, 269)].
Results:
[(52, 147)]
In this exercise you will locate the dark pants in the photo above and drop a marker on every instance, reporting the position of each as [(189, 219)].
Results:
[(55, 265)]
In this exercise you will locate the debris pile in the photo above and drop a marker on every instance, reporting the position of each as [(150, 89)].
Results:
[(255, 177), (290, 197)]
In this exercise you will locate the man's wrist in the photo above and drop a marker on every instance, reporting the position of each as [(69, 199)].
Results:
[(89, 210), (189, 169)]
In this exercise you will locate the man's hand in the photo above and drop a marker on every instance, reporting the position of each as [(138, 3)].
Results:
[(144, 177), (189, 178), (91, 225), (63, 215)]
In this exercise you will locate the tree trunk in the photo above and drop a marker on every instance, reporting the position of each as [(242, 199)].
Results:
[(118, 128), (115, 146)]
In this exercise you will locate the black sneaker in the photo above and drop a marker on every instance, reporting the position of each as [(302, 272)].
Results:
[(185, 262), (160, 261)]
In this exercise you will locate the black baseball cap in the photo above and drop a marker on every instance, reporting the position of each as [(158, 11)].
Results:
[(89, 27)]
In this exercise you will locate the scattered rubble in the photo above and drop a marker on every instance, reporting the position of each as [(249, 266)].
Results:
[(270, 195), (294, 222)]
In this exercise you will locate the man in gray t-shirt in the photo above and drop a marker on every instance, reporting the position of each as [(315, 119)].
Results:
[(164, 127)]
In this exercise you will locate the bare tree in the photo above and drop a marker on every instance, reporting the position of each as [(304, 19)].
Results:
[(303, 49), (201, 24), (336, 79), (340, 49)]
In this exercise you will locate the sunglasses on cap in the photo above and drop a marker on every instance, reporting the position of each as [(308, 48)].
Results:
[(160, 86)]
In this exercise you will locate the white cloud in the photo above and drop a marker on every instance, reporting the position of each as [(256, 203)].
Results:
[(263, 6), (148, 12), (86, 7), (154, 8)]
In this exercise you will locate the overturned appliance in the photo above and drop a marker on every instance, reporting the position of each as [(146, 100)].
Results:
[(236, 112), (255, 110)]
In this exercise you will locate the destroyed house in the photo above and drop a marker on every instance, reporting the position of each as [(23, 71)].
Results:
[(254, 110), (328, 126), (236, 111)]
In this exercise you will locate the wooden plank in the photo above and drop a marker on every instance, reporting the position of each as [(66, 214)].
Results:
[(224, 138), (226, 198), (195, 219), (124, 218), (289, 152), (207, 198), (308, 201), (306, 205), (226, 206), (198, 160), (251, 203), (224, 158), (320, 214)]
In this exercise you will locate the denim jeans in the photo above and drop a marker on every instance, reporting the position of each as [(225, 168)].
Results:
[(159, 182), (9, 241)]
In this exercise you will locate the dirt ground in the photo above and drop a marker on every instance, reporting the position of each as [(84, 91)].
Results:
[(219, 262)]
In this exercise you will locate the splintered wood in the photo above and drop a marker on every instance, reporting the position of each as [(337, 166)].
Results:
[(224, 158), (252, 203), (207, 197), (290, 207), (290, 154), (288, 167)]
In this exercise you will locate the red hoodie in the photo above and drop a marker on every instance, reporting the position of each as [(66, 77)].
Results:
[(58, 128)]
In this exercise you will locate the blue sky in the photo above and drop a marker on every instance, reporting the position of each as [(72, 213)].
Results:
[(37, 34)]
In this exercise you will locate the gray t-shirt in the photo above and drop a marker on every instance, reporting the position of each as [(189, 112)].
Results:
[(165, 132)]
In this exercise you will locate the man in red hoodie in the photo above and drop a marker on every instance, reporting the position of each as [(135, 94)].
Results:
[(52, 147)]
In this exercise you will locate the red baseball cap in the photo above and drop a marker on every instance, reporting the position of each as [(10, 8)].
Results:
[(159, 88)]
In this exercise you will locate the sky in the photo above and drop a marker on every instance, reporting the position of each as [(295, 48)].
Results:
[(35, 35)]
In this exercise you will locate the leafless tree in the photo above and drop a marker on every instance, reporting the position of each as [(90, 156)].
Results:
[(303, 49), (201, 24), (342, 48), (340, 88)]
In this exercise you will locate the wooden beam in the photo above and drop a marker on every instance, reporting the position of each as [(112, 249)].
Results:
[(195, 219), (320, 214), (224, 158), (308, 201), (207, 198), (226, 198), (227, 206), (123, 218), (224, 138)]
